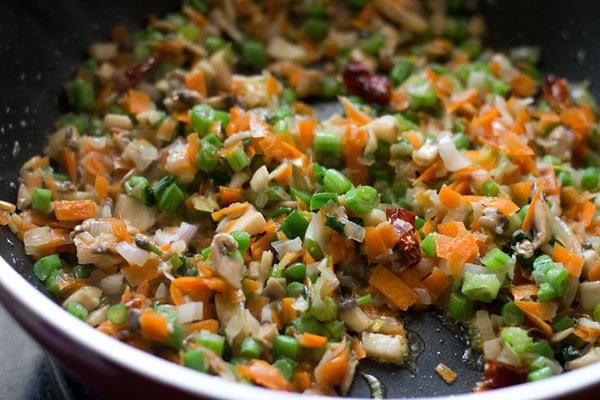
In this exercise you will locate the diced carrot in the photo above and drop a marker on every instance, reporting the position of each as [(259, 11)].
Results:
[(240, 121), (233, 209), (576, 119), (154, 326), (229, 195), (137, 101), (374, 243), (524, 292), (250, 286), (429, 173), (571, 261), (594, 273), (353, 113), (539, 313), (333, 366), (414, 137), (302, 381), (287, 313), (355, 140), (452, 228), (136, 275), (584, 212), (311, 341), (264, 242), (469, 96), (275, 147), (166, 129), (195, 81), (69, 160), (449, 197), (272, 85), (392, 287), (358, 349), (306, 132), (523, 85), (521, 190), (587, 334), (512, 145), (429, 227), (437, 282), (108, 328), (264, 374), (282, 174), (211, 325), (193, 147), (388, 234), (74, 210), (528, 221), (458, 249), (503, 205), (101, 188)]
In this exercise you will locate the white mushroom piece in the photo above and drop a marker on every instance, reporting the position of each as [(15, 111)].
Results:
[(226, 267)]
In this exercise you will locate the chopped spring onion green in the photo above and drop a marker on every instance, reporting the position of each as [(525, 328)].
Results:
[(495, 259), (294, 225), (77, 310), (336, 182), (117, 314), (250, 348), (211, 341), (171, 199), (480, 287), (286, 346), (41, 200), (45, 266), (428, 245), (362, 199)]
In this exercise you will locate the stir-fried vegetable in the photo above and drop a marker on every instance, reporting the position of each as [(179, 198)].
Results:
[(203, 212)]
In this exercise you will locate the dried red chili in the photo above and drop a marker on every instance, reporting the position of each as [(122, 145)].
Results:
[(132, 76), (498, 374), (403, 222), (556, 92), (366, 84)]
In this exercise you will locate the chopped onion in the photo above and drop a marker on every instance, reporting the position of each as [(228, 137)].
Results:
[(283, 247), (453, 159), (353, 230), (589, 293), (355, 319), (161, 237), (385, 348), (98, 316), (565, 235), (132, 254), (260, 180), (87, 296), (112, 284), (316, 230), (483, 323), (424, 297), (97, 226), (492, 348), (138, 214), (186, 232), (190, 312)]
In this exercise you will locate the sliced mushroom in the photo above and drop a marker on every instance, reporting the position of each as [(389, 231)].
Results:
[(226, 267)]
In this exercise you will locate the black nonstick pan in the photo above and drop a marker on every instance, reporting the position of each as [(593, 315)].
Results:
[(41, 44)]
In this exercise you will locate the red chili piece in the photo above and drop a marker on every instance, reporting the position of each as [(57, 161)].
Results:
[(366, 84), (132, 76), (498, 374), (403, 222), (556, 92)]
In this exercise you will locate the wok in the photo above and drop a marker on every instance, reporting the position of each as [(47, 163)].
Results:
[(41, 44)]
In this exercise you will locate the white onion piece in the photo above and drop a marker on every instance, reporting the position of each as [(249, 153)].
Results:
[(484, 324), (589, 293), (35, 238), (87, 296), (453, 159), (492, 348), (96, 226), (423, 294), (161, 291), (132, 254), (353, 230), (161, 237), (316, 230), (282, 247), (260, 180), (565, 235), (190, 312), (186, 232), (355, 319), (112, 284)]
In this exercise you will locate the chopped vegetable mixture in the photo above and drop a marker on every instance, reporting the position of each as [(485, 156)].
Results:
[(193, 204)]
